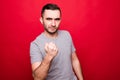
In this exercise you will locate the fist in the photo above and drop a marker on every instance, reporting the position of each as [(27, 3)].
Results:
[(51, 49)]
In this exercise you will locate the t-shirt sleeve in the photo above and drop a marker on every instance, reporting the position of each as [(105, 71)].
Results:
[(72, 44), (35, 54), (73, 47)]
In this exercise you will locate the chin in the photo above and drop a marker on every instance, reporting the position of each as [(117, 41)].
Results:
[(52, 32)]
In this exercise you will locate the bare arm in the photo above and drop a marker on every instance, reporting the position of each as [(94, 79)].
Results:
[(76, 66), (40, 69)]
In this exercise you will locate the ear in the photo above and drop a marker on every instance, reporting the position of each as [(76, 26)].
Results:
[(41, 20)]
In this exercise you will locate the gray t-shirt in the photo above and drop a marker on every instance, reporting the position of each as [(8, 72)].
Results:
[(61, 66)]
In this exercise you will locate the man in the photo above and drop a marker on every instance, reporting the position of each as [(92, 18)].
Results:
[(52, 53)]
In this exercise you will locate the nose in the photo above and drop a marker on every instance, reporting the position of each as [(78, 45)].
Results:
[(53, 23)]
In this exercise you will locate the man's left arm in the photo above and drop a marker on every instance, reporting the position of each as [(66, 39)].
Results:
[(76, 66)]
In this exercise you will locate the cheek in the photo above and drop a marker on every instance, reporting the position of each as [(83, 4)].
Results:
[(58, 24), (46, 24)]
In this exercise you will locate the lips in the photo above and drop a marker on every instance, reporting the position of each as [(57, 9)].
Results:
[(52, 28)]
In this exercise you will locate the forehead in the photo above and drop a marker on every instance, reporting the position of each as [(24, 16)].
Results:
[(52, 13)]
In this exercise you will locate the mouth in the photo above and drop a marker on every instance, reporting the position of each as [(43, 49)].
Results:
[(52, 28)]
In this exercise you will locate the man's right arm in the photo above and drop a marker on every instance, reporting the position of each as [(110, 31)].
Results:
[(40, 69)]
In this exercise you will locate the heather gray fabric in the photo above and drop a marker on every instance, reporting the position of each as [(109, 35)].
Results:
[(61, 67)]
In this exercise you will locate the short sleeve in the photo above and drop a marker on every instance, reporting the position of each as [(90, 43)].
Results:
[(73, 47), (72, 44), (35, 54)]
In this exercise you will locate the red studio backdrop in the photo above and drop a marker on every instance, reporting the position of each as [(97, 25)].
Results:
[(93, 24)]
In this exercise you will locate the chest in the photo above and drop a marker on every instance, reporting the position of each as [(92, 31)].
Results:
[(63, 45)]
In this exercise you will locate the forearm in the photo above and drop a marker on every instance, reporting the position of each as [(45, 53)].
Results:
[(41, 72), (77, 69)]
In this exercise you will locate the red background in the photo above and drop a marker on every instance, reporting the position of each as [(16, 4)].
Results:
[(93, 24)]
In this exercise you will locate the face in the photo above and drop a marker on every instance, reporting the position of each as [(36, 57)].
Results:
[(51, 20)]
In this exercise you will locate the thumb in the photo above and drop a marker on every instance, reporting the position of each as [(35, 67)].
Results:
[(46, 46)]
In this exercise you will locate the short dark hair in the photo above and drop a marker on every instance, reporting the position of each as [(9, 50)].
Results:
[(50, 6)]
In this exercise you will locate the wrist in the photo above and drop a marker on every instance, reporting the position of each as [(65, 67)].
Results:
[(48, 58)]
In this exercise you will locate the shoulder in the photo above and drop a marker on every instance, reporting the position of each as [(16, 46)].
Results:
[(37, 39), (65, 32)]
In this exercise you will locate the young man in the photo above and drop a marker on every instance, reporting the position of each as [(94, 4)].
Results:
[(52, 53)]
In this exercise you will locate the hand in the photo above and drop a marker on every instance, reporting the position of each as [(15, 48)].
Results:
[(51, 49)]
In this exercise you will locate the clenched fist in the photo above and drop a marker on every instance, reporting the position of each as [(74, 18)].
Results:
[(51, 49)]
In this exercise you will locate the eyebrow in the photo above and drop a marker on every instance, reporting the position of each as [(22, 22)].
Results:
[(57, 18), (53, 18)]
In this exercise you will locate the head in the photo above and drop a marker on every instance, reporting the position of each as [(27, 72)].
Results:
[(51, 18)]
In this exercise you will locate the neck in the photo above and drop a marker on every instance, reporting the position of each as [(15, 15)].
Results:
[(51, 35)]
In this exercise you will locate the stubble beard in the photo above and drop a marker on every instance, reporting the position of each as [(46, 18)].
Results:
[(51, 33)]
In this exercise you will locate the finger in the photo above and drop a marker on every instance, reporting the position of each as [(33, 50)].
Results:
[(53, 44), (46, 46), (50, 46)]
